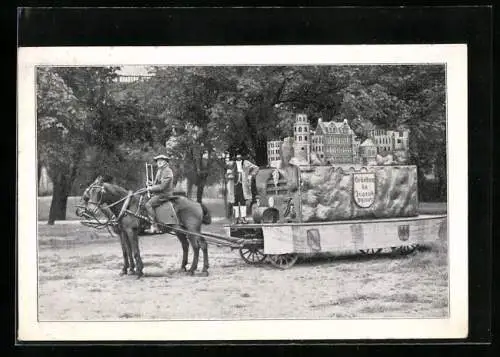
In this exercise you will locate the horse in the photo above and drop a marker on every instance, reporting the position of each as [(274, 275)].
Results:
[(111, 199)]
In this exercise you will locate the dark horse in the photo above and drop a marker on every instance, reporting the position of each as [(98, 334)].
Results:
[(105, 196)]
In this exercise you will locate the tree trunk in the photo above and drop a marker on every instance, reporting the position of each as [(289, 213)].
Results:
[(441, 176), (59, 198), (259, 142), (224, 192), (420, 183), (39, 168), (200, 186), (261, 152), (189, 187)]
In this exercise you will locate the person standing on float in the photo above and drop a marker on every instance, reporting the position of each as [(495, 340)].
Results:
[(240, 177)]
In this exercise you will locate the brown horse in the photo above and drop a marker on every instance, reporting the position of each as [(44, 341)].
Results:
[(108, 197)]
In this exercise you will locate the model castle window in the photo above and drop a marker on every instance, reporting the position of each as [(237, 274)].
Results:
[(336, 143)]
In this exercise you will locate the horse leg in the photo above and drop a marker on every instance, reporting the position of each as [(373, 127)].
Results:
[(126, 253), (204, 248), (134, 242), (196, 252), (130, 257), (185, 250)]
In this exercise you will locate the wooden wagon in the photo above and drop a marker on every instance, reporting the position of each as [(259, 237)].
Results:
[(326, 209)]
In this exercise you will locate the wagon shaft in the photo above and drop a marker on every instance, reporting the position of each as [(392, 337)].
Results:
[(220, 240)]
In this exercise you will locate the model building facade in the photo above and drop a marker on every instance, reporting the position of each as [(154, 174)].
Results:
[(335, 143)]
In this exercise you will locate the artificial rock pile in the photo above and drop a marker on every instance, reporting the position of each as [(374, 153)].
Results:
[(327, 193)]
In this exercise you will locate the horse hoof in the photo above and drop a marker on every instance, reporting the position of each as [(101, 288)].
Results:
[(131, 272), (190, 272), (123, 272), (204, 273), (139, 275), (182, 270)]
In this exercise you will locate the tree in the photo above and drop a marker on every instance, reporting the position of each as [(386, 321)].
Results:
[(119, 130), (183, 98), (60, 124), (78, 117)]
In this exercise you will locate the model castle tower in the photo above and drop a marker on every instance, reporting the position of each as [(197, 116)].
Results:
[(302, 136)]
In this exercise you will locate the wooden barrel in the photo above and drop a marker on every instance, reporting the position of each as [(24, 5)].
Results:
[(265, 215)]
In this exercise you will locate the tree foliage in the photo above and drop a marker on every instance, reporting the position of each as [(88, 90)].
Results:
[(60, 127)]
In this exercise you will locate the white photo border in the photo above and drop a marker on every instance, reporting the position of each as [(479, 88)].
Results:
[(454, 56)]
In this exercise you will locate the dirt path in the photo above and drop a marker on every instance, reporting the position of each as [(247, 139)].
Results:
[(79, 280)]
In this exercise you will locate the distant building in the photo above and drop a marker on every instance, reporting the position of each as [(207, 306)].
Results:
[(368, 152), (382, 140), (336, 143), (273, 152), (131, 78)]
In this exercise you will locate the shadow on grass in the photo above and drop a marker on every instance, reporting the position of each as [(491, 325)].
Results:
[(375, 309), (355, 298), (152, 264), (128, 315), (404, 297), (156, 275), (56, 277), (434, 252), (353, 257)]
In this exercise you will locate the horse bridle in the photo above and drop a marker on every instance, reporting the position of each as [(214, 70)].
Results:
[(101, 190), (91, 215)]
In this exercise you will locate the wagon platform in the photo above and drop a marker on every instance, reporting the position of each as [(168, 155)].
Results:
[(282, 243)]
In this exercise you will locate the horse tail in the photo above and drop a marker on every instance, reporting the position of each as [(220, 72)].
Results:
[(207, 219)]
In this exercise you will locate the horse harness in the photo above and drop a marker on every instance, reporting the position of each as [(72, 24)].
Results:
[(112, 221)]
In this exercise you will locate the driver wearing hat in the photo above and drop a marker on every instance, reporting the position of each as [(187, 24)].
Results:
[(161, 190)]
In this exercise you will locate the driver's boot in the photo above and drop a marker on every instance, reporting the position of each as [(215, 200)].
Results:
[(153, 229), (154, 225)]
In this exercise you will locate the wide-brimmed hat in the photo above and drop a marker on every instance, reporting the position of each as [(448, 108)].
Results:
[(161, 156)]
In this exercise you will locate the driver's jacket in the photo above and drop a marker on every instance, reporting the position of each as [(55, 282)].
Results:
[(162, 185)]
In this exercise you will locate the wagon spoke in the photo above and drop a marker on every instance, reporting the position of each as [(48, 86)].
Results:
[(252, 255), (283, 261), (404, 249), (371, 251)]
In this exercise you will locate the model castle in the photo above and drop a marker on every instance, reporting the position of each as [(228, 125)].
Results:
[(335, 143)]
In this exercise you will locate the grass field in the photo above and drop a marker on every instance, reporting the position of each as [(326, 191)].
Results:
[(215, 206)]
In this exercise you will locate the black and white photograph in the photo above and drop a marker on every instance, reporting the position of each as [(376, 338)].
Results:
[(267, 192)]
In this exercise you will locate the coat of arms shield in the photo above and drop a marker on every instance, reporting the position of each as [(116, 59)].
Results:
[(314, 240), (364, 189)]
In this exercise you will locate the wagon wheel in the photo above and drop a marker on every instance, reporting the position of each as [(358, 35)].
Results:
[(283, 261), (371, 251), (404, 249), (252, 254)]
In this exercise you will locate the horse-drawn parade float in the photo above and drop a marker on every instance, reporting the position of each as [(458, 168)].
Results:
[(323, 191)]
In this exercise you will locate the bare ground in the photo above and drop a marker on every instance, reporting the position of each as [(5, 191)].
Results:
[(78, 271)]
